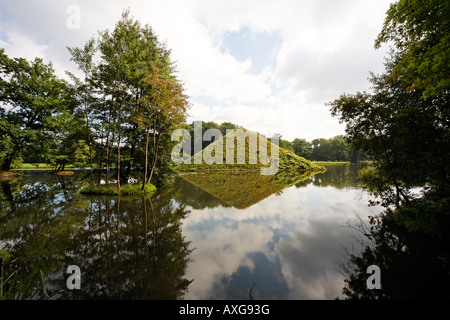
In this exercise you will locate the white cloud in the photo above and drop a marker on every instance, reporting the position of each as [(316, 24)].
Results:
[(326, 49), (301, 231), (223, 255), (19, 45)]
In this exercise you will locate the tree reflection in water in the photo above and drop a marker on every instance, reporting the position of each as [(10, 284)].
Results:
[(126, 247), (412, 265), (134, 248)]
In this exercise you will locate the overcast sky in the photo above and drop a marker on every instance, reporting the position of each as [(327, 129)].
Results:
[(269, 66)]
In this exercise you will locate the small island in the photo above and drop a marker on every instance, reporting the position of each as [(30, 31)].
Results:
[(125, 190)]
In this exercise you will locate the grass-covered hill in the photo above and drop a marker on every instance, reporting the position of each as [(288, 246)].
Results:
[(287, 160)]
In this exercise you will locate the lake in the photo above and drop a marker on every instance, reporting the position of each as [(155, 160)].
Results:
[(204, 236)]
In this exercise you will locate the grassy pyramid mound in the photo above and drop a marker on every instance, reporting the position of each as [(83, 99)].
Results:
[(250, 151)]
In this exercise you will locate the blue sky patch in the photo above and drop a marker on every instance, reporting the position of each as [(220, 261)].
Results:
[(260, 47)]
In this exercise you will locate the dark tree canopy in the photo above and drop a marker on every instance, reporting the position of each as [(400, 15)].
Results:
[(419, 31), (404, 126)]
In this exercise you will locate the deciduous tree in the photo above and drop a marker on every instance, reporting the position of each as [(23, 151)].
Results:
[(33, 98)]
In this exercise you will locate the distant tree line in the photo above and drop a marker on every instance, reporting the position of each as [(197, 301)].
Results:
[(333, 149)]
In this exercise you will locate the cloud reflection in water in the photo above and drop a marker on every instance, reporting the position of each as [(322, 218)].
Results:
[(289, 244)]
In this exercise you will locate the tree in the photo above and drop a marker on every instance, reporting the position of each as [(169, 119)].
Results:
[(339, 149), (62, 144), (400, 131), (223, 127), (321, 150), (162, 109), (302, 148), (404, 124), (130, 99), (84, 58), (420, 33), (113, 78), (33, 99), (281, 142)]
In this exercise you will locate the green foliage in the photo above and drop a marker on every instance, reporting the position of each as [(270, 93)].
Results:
[(429, 217), (129, 101), (81, 154), (372, 179), (302, 148), (333, 149), (408, 137), (145, 256), (404, 124), (282, 143), (112, 189), (223, 127), (5, 256), (23, 285), (17, 162), (420, 34), (37, 99)]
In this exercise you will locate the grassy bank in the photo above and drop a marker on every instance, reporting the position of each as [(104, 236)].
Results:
[(125, 190), (8, 175), (322, 163), (39, 166)]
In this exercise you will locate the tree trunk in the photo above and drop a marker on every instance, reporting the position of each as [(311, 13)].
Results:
[(89, 146), (107, 160), (151, 172), (118, 148), (90, 158), (6, 166), (145, 160), (133, 143), (156, 140), (118, 163)]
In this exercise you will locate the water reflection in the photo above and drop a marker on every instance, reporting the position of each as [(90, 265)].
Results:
[(242, 190), (126, 247), (339, 175), (203, 237), (288, 242), (412, 265)]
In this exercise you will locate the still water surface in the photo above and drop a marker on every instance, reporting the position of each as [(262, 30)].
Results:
[(202, 237)]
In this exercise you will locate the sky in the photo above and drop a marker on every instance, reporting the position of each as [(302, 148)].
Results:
[(270, 66)]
